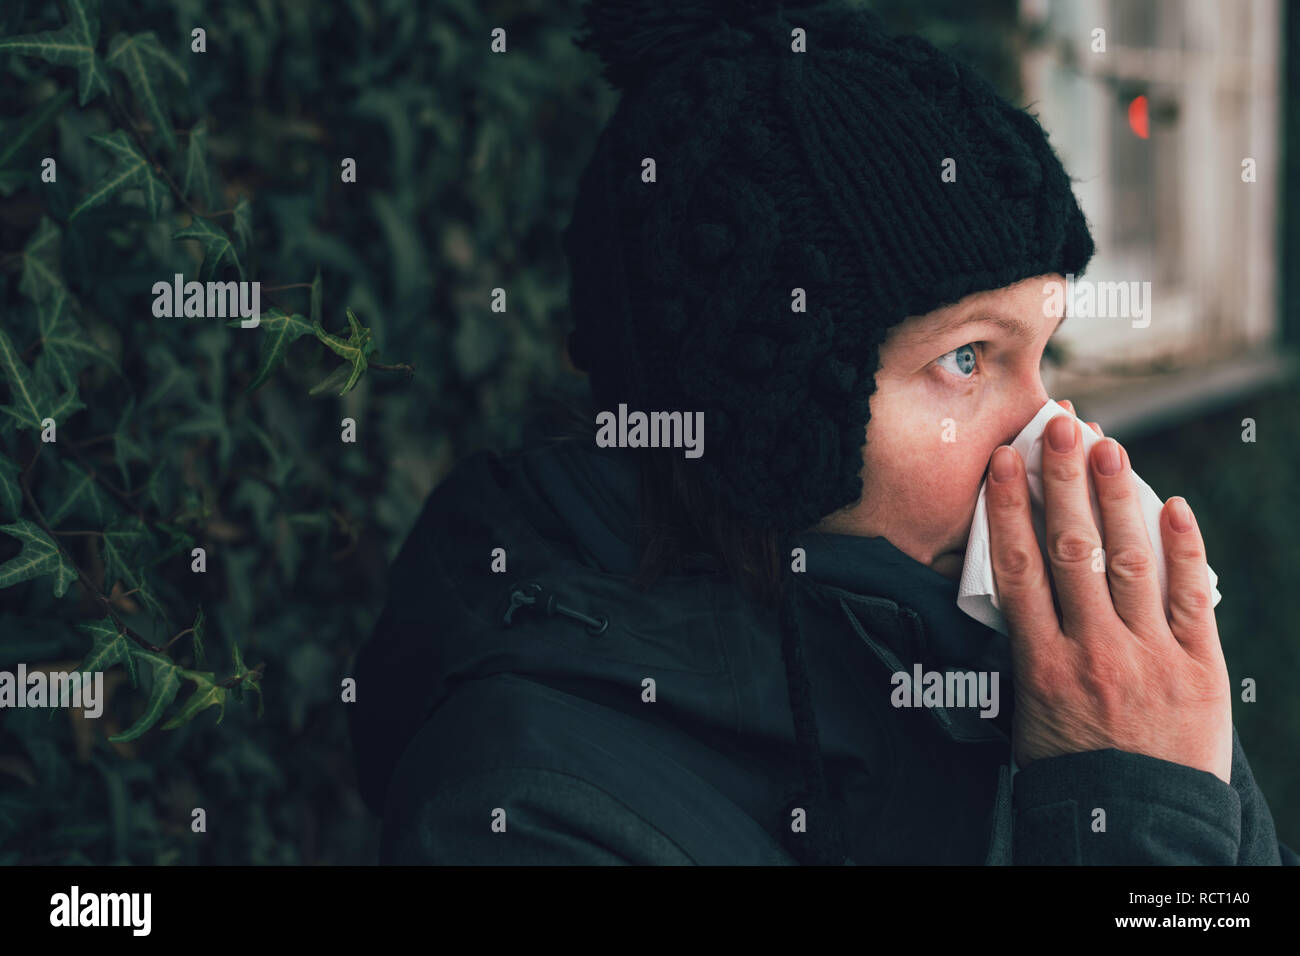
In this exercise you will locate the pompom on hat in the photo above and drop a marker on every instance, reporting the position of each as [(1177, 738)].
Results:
[(782, 177)]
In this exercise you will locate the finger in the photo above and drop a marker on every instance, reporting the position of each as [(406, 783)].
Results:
[(1130, 564), (1073, 539), (1069, 406), (1019, 576), (1191, 614)]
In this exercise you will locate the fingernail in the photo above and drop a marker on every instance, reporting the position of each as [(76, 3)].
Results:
[(1060, 433), (1004, 463), (1180, 516), (1107, 456)]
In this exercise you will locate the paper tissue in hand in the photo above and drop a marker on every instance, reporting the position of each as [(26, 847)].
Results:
[(977, 593)]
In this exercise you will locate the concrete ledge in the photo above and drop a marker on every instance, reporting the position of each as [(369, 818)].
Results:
[(1144, 404)]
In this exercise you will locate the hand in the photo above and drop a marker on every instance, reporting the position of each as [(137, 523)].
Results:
[(1111, 670)]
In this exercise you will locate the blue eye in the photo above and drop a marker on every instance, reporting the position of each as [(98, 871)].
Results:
[(965, 359)]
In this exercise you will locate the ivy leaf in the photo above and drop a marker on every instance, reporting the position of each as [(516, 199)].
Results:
[(218, 250), (200, 632), (121, 540), (11, 492), (333, 380), (39, 556), (243, 225), (65, 405), (71, 45), (197, 183), (31, 406), (356, 349), (17, 139), (110, 647), (28, 402), (125, 447), (65, 347), (141, 59), (207, 693), (82, 495), (182, 542), (246, 680), (166, 684), (144, 591), (41, 273), (281, 332), (131, 170), (316, 294)]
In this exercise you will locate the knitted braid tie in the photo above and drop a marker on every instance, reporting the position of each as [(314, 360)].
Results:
[(823, 843)]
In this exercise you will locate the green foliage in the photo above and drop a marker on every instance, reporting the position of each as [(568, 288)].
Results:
[(11, 497), (65, 347), (40, 259), (25, 409), (131, 171), (197, 182), (170, 435), (218, 248), (111, 646), (31, 124), (281, 331), (165, 684), (40, 556), (73, 45), (145, 64), (356, 350)]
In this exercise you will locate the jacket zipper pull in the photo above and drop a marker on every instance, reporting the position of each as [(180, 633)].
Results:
[(525, 596), (533, 595)]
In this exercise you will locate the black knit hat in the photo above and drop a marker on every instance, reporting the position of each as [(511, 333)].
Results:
[(774, 171)]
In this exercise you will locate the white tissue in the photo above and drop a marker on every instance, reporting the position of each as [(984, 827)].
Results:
[(977, 595)]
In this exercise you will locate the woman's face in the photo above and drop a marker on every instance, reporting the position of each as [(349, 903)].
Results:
[(953, 385)]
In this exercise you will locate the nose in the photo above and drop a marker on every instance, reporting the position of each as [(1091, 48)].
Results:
[(1031, 399), (1037, 399)]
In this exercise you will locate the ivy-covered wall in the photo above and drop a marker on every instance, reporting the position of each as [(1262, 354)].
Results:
[(221, 156)]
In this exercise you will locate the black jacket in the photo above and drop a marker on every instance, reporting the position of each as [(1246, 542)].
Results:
[(535, 740)]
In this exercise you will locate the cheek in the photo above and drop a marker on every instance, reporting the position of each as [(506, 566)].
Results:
[(931, 471)]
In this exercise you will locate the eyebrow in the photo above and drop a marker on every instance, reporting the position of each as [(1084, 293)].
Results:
[(1011, 326)]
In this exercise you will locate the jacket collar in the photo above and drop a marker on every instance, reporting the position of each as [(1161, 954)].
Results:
[(930, 626), (907, 613)]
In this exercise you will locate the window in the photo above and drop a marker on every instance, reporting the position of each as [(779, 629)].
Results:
[(1172, 208)]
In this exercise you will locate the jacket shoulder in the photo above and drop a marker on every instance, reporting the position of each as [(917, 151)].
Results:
[(510, 769)]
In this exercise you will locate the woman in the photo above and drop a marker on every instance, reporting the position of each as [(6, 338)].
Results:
[(829, 246)]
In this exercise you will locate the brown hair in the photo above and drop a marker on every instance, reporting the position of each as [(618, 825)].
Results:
[(679, 515)]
